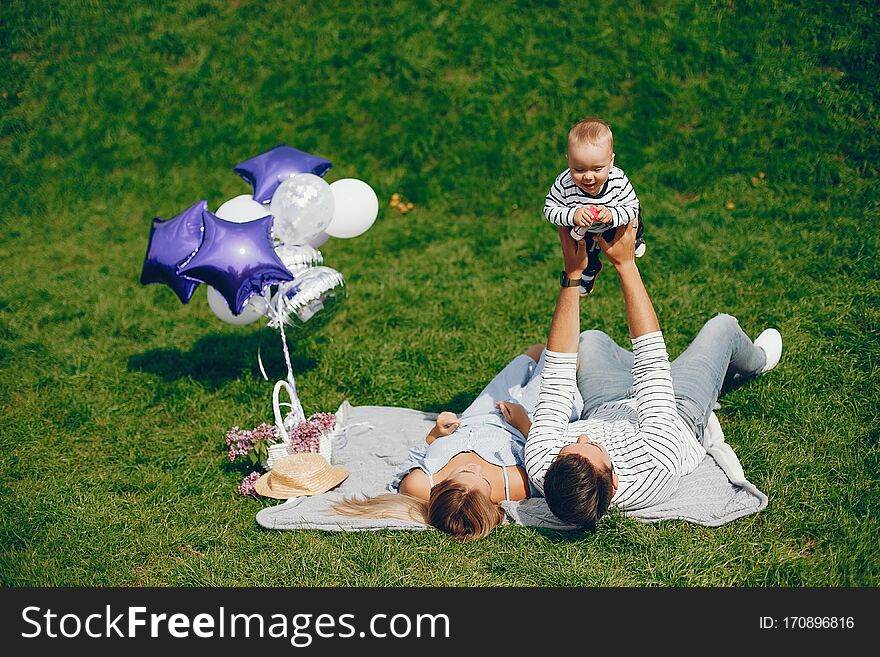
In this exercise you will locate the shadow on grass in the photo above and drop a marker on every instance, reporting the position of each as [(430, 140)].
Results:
[(456, 404), (731, 383), (215, 360)]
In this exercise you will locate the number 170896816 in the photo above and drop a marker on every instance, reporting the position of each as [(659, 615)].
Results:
[(818, 622)]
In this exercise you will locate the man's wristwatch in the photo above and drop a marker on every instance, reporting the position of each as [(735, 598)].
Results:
[(564, 281)]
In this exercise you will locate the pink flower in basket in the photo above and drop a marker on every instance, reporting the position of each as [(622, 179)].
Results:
[(263, 445), (314, 434)]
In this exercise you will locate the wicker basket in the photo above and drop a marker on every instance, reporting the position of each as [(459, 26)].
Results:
[(284, 424)]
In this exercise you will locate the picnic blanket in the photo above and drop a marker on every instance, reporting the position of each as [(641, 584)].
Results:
[(371, 442)]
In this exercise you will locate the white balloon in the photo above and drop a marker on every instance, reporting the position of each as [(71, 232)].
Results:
[(302, 206), (242, 209), (356, 208), (252, 311)]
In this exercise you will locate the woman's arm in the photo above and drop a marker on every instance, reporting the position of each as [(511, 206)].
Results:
[(534, 352), (415, 484), (445, 425), (516, 415)]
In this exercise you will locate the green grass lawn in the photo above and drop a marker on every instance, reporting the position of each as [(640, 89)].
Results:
[(115, 397)]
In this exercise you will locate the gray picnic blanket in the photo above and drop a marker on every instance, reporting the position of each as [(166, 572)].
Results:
[(371, 442)]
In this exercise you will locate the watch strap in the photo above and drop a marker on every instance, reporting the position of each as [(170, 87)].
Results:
[(565, 281)]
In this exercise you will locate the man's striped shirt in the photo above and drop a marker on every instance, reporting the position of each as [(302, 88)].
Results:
[(617, 195), (650, 446)]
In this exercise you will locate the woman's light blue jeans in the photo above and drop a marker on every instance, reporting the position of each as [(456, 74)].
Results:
[(605, 369), (519, 382)]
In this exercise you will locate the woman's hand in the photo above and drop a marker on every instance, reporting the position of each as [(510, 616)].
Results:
[(574, 253), (516, 415), (445, 424), (620, 250)]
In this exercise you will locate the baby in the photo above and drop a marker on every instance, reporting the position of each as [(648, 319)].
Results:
[(592, 194)]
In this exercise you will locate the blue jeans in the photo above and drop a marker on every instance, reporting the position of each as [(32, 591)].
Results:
[(519, 381), (605, 369)]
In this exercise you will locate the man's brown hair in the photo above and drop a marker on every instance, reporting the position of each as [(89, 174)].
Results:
[(576, 491)]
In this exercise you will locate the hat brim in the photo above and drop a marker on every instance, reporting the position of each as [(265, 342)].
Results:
[(269, 487)]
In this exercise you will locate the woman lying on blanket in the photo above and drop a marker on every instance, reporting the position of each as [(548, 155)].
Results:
[(466, 466)]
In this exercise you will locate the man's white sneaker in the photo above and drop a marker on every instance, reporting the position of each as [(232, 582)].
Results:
[(771, 342)]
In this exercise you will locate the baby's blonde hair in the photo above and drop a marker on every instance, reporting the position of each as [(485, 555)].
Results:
[(591, 131)]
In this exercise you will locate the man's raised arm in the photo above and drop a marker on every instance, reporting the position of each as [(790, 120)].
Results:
[(565, 327), (640, 315)]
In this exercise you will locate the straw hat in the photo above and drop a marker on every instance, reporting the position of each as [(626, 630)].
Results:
[(299, 474)]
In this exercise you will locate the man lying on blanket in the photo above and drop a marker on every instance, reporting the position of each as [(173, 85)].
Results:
[(643, 419)]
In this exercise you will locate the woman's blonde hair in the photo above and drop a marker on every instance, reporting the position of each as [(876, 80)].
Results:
[(462, 513), (387, 505)]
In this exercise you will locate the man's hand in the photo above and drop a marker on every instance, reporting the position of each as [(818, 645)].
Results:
[(574, 254), (640, 315), (621, 249)]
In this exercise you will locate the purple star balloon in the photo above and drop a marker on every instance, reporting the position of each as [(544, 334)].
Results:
[(266, 171), (238, 260), (171, 242)]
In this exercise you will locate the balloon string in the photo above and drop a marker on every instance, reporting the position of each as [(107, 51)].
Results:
[(297, 409), (260, 361), (275, 316)]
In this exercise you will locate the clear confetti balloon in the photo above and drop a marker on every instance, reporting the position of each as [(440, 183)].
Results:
[(298, 257), (318, 241), (316, 291), (303, 207)]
